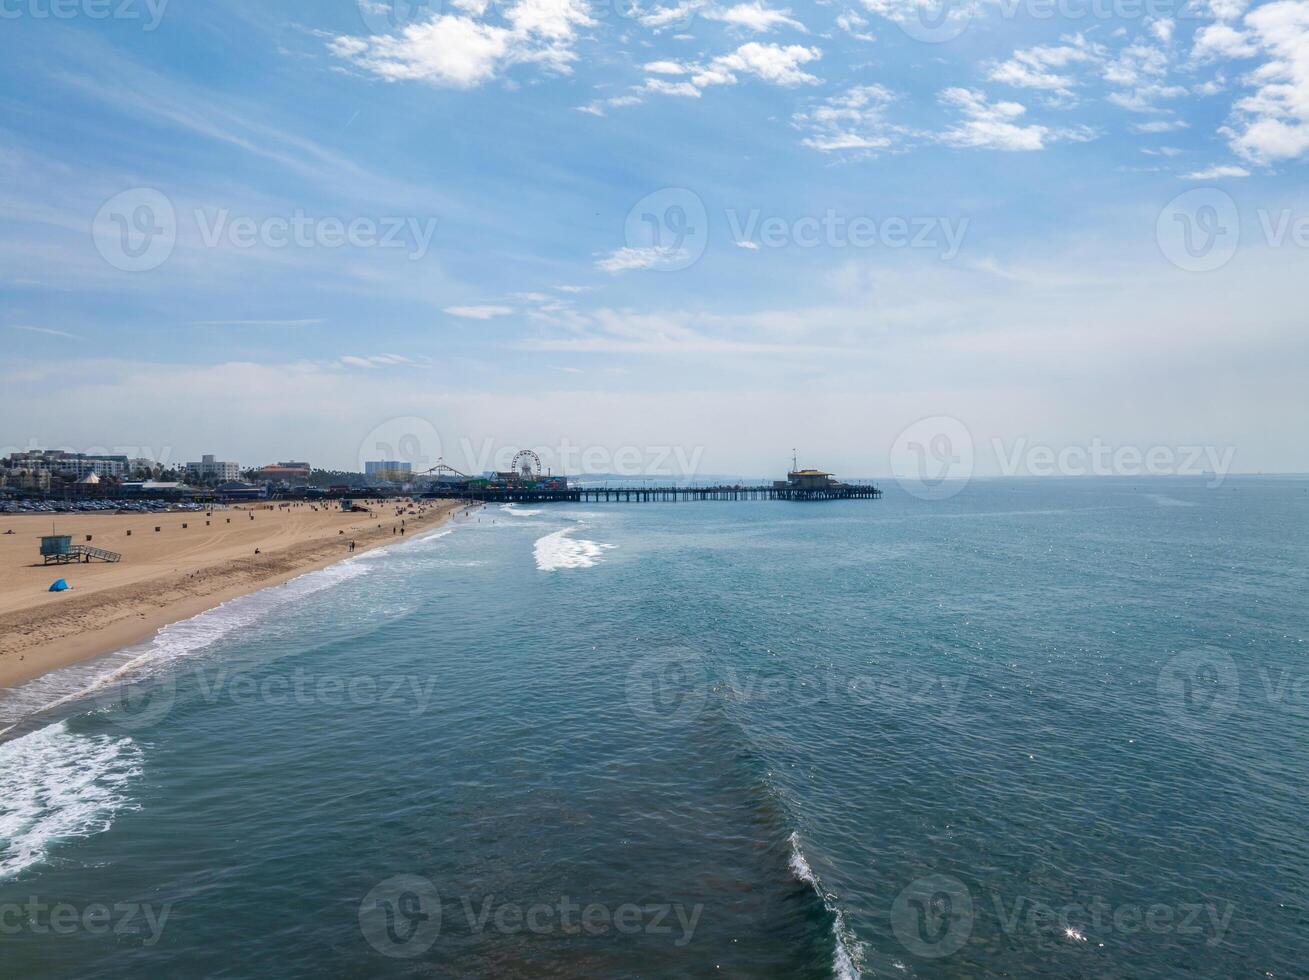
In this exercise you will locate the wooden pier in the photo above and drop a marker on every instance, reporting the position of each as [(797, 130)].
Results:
[(612, 495)]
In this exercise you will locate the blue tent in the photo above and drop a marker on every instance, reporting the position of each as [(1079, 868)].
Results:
[(60, 586)]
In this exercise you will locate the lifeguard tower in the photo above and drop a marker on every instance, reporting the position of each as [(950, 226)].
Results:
[(58, 549)]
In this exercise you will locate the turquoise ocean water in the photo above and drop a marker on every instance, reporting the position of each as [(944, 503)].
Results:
[(1042, 728)]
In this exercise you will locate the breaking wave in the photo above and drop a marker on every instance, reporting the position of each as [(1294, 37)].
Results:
[(558, 550), (843, 962), (56, 785)]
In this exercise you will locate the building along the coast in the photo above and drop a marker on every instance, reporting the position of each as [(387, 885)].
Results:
[(210, 470), (289, 472), (76, 465), (389, 470)]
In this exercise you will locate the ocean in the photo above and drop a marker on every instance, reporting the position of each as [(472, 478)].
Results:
[(1050, 728)]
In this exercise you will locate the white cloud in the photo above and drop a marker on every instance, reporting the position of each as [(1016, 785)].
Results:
[(649, 257), (1159, 126), (754, 17), (1273, 123), (855, 26), (484, 312), (1217, 172), (752, 246), (1139, 73), (375, 360), (1222, 41), (950, 18), (774, 63), (852, 121), (686, 89), (676, 14), (990, 125), (1039, 67), (597, 108), (459, 51)]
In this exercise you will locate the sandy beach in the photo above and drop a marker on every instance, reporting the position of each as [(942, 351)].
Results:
[(193, 562)]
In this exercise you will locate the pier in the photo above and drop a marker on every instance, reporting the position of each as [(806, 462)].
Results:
[(611, 495)]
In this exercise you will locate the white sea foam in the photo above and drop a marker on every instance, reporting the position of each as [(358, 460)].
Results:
[(513, 511), (55, 785), (843, 963), (1163, 500), (559, 550), (799, 866), (173, 642)]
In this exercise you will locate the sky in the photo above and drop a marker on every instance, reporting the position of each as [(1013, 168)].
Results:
[(644, 236)]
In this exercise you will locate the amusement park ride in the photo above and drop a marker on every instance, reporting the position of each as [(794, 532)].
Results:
[(524, 473)]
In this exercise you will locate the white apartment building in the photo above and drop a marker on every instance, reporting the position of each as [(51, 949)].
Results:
[(210, 470)]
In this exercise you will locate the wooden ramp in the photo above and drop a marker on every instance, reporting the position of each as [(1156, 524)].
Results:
[(99, 554)]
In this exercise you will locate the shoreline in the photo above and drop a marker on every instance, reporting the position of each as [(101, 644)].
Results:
[(48, 636)]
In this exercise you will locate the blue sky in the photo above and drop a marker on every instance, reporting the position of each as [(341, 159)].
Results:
[(731, 227)]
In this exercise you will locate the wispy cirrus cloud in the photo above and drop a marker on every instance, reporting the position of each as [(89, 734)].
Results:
[(483, 312), (628, 259), (1217, 172), (46, 331)]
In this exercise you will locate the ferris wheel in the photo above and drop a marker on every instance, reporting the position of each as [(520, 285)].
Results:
[(526, 465)]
